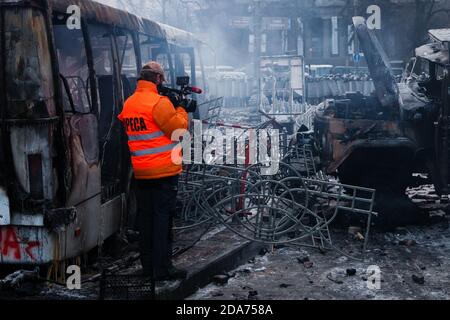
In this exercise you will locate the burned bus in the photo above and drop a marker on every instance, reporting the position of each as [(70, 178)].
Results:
[(64, 167)]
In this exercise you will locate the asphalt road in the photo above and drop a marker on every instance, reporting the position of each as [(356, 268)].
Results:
[(414, 264)]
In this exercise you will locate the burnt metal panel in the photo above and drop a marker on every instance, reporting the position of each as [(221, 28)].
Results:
[(59, 218), (33, 140), (441, 35), (30, 89), (84, 169), (378, 63), (434, 52)]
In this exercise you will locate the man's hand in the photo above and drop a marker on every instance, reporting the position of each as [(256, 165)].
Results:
[(189, 105), (175, 99)]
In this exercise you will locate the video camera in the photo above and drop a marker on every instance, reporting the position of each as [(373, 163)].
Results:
[(178, 97)]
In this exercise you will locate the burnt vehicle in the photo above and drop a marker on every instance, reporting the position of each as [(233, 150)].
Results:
[(379, 141), (65, 171)]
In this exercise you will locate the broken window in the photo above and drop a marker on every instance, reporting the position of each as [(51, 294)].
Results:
[(421, 69), (127, 55), (100, 38), (73, 67), (101, 50), (127, 62), (440, 72), (146, 45), (153, 49), (163, 60), (182, 65), (28, 67)]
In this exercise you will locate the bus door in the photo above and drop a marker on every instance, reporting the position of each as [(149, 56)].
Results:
[(81, 130), (129, 66), (110, 101)]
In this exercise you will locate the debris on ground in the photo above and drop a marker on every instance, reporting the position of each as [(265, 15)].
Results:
[(221, 279), (408, 242), (252, 294), (335, 277), (303, 260), (14, 280), (418, 279), (354, 230), (429, 254), (351, 272)]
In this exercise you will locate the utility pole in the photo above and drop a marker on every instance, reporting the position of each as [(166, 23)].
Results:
[(357, 49), (257, 32)]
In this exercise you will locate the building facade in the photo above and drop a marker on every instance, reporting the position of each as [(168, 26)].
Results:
[(319, 30)]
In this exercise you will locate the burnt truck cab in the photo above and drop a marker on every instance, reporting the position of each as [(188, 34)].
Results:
[(378, 141)]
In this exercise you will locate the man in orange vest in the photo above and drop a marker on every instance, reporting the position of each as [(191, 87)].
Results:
[(149, 120)]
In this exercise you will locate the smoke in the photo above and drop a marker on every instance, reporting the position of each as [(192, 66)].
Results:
[(192, 16)]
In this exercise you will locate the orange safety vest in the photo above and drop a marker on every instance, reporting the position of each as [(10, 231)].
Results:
[(151, 150)]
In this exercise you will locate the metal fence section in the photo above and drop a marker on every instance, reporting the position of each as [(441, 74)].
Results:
[(301, 158), (307, 118), (296, 205), (210, 111), (337, 86)]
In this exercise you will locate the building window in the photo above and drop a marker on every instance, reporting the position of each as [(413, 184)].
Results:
[(316, 48)]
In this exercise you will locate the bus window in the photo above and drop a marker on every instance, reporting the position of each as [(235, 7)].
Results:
[(183, 65), (127, 61), (163, 60), (100, 38), (30, 87), (101, 50), (104, 69), (180, 70), (73, 67), (147, 44)]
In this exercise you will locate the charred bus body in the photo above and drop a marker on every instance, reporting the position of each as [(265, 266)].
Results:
[(64, 167), (379, 141)]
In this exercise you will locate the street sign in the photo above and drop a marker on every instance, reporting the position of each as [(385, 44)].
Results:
[(240, 22), (268, 23), (276, 23)]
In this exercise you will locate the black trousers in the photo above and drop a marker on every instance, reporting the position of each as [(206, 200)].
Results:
[(156, 200)]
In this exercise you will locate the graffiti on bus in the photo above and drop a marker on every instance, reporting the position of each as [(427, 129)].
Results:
[(11, 245)]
